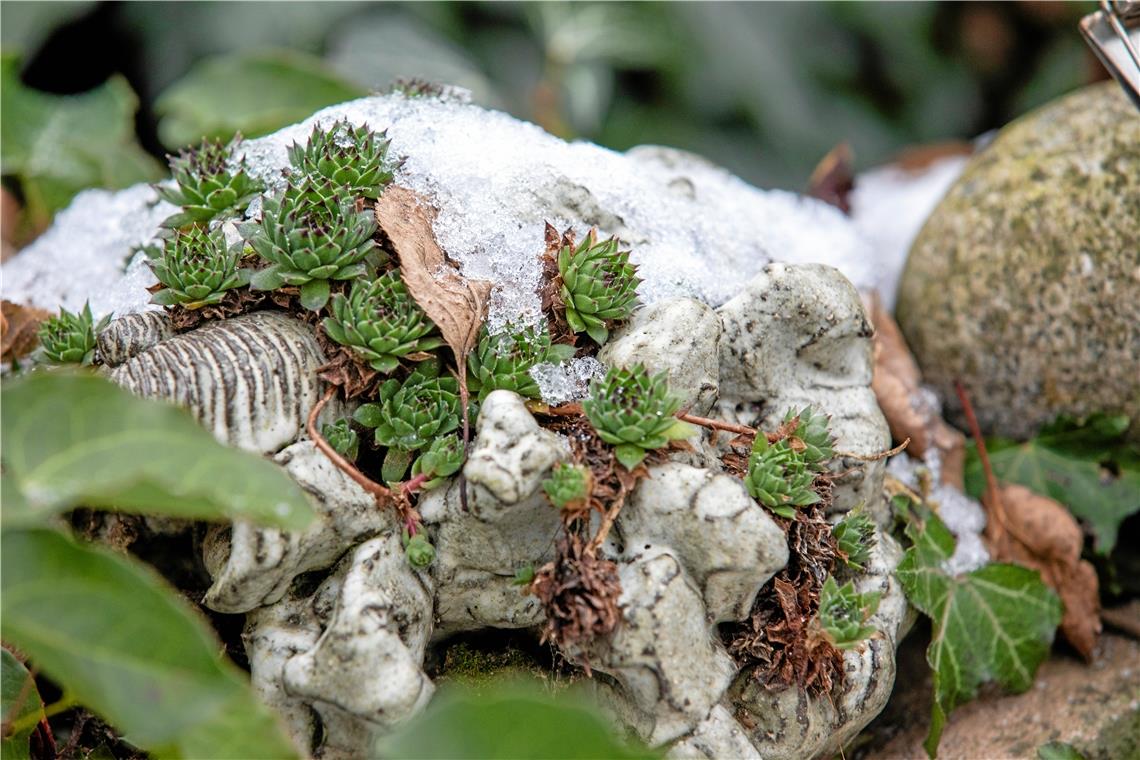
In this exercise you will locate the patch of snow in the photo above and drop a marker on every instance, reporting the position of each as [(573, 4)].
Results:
[(695, 229), (965, 517), (566, 382), (89, 253), (889, 205)]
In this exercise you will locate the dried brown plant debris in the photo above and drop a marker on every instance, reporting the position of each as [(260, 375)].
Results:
[(579, 592), (1037, 532), (779, 642), (19, 329), (833, 178), (345, 369), (235, 302), (551, 293)]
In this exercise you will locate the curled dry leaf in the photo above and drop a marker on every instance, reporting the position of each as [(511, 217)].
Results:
[(910, 412), (456, 305), (1034, 531), (833, 178), (19, 328)]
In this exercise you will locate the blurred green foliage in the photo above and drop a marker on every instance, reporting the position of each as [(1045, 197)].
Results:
[(765, 89)]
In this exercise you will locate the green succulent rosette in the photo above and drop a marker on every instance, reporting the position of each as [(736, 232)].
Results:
[(351, 158), (844, 612), (410, 415), (196, 267), (311, 234), (342, 438), (418, 549), (818, 445), (567, 484), (778, 477), (599, 285), (381, 322), (634, 412), (205, 186), (70, 338), (502, 361), (442, 459), (855, 538)]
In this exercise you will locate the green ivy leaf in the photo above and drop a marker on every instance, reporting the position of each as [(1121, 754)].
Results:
[(1058, 751), (58, 145), (1064, 462), (77, 439), (506, 719), (993, 624), (249, 92), (122, 642), (20, 705)]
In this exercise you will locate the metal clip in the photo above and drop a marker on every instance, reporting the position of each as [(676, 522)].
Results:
[(1113, 32)]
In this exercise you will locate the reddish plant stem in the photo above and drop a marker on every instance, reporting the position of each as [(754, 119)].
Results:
[(607, 523), (874, 457), (382, 495), (991, 499), (731, 427), (413, 485)]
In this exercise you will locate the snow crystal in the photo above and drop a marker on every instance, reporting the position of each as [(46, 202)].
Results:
[(889, 205), (695, 229), (89, 253), (566, 382), (965, 517)]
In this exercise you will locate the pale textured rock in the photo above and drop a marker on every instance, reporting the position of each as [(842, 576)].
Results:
[(1025, 281), (253, 566), (511, 454), (679, 337), (798, 335), (255, 405), (717, 736), (726, 541)]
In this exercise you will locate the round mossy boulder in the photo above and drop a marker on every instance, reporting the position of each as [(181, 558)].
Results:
[(1025, 281)]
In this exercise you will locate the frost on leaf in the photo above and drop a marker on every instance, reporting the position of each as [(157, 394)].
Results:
[(993, 624)]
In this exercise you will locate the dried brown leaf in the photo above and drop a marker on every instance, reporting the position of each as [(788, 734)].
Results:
[(19, 327), (833, 178), (1034, 531), (456, 304), (897, 383)]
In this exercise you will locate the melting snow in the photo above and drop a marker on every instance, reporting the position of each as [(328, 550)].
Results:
[(694, 228)]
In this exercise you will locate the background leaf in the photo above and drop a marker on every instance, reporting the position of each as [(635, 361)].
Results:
[(249, 92), (72, 439), (506, 720), (19, 704), (122, 642), (58, 145), (1065, 462), (993, 624)]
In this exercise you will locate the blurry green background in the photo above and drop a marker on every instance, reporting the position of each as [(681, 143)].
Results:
[(765, 89)]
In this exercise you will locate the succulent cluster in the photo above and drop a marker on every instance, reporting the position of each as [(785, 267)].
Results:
[(342, 438), (196, 267), (633, 411), (503, 360), (205, 185), (408, 416), (381, 322), (351, 158), (311, 234), (70, 338), (442, 459), (599, 285), (844, 612), (418, 549), (568, 485), (855, 537), (781, 473)]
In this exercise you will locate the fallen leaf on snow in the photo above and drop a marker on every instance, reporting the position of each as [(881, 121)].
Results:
[(19, 328), (833, 178)]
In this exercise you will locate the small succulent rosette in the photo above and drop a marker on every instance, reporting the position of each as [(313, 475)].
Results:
[(503, 361), (208, 184), (196, 267), (599, 285), (70, 338), (354, 159)]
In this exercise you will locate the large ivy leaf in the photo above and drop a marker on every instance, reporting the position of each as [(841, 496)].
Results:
[(122, 642), (249, 92), (993, 624), (77, 439), (58, 145), (1065, 462), (508, 719), (20, 706)]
